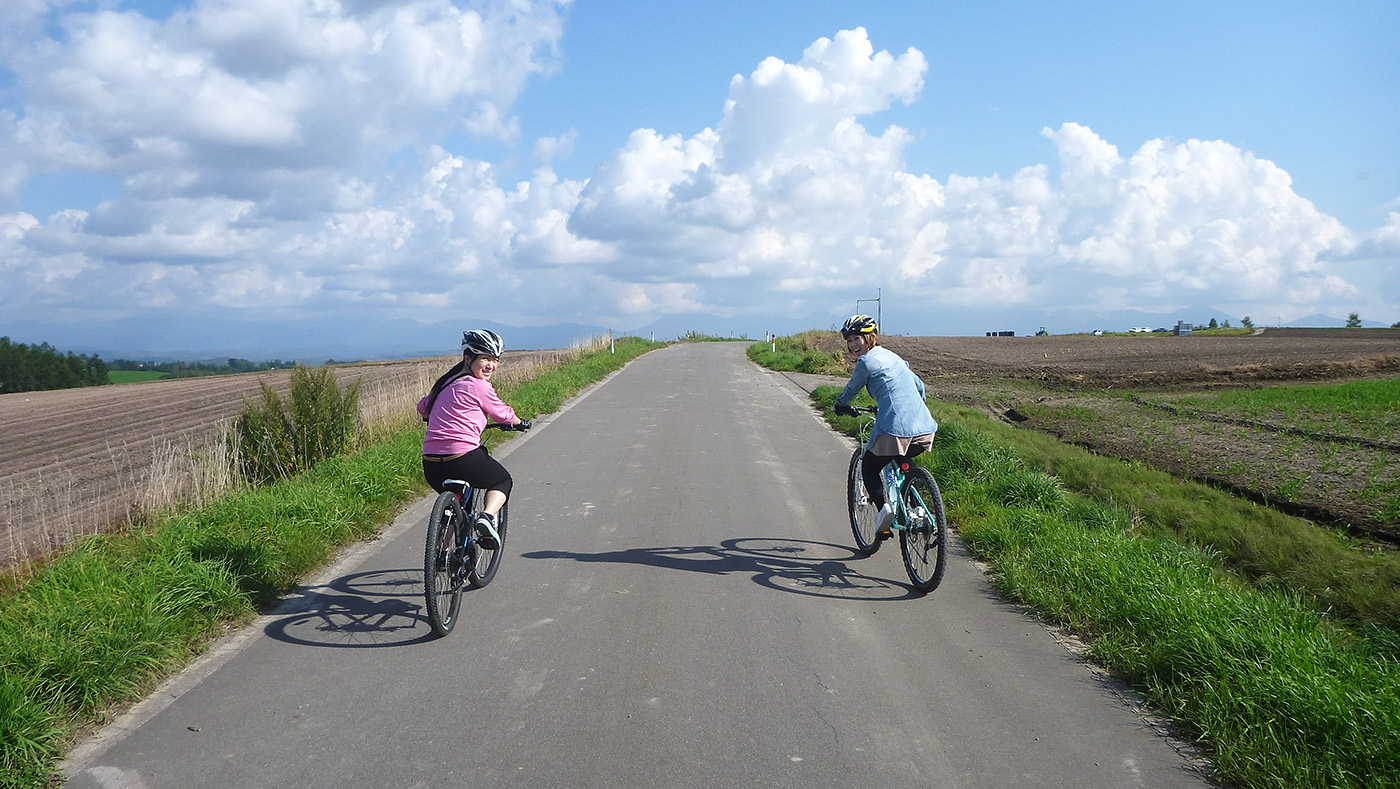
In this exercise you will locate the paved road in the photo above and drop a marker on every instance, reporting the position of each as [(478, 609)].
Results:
[(678, 607)]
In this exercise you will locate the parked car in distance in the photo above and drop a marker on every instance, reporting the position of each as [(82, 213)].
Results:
[(1140, 330), (1164, 331)]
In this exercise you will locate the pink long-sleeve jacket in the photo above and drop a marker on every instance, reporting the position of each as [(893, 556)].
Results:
[(460, 414)]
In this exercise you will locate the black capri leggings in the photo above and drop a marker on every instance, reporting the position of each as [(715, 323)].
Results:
[(870, 467), (477, 467)]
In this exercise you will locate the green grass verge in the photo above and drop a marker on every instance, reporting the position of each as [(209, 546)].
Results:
[(1277, 692), (104, 623), (1268, 548), (798, 353)]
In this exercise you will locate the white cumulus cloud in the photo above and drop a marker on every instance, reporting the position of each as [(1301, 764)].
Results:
[(251, 140)]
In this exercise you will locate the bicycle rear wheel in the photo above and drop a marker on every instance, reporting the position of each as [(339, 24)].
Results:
[(442, 564), (487, 561), (924, 541), (864, 516)]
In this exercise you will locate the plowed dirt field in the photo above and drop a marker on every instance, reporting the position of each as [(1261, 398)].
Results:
[(1157, 361), (77, 460)]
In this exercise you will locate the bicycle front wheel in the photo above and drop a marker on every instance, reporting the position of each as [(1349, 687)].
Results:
[(924, 540), (864, 516), (487, 561), (442, 564)]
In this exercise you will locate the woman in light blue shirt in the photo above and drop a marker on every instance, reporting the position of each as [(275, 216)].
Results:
[(903, 428)]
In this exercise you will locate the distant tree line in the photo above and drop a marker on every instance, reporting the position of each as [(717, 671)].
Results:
[(1353, 322), (197, 369), (1214, 324), (31, 368)]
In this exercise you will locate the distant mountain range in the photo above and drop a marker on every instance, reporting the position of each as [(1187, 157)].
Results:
[(315, 341)]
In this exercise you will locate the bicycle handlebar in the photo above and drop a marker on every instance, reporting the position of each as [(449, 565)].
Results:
[(522, 426)]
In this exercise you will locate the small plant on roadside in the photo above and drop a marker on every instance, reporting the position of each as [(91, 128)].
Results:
[(1033, 490), (276, 440), (323, 414), (1289, 490)]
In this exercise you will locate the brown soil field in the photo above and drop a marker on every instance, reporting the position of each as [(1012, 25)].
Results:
[(78, 460), (1114, 395), (1157, 361)]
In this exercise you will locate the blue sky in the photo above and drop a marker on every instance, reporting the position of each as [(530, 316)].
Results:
[(329, 167), (1312, 88)]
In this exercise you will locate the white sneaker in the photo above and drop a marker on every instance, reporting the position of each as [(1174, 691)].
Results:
[(486, 531), (883, 521)]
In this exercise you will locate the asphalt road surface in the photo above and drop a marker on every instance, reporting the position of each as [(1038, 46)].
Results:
[(679, 606)]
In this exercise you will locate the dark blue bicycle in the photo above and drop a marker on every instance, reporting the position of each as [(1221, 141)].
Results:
[(454, 560)]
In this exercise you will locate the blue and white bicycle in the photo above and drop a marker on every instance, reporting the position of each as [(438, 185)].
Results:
[(918, 513)]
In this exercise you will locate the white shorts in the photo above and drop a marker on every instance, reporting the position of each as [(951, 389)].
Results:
[(886, 445)]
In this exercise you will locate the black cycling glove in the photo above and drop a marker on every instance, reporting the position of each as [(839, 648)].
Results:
[(842, 409), (523, 425)]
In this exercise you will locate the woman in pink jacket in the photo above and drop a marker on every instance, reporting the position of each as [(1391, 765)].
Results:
[(457, 410)]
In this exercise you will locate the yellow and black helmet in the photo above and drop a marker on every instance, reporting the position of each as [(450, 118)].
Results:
[(859, 324)]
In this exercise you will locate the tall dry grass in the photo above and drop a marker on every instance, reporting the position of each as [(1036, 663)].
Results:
[(389, 406), (45, 511), (190, 471)]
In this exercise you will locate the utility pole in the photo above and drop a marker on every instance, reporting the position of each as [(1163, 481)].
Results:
[(879, 319)]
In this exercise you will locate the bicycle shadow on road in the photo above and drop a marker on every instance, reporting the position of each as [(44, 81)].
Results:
[(803, 567), (376, 608)]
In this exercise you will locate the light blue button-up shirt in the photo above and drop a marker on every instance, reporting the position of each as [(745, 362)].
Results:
[(896, 389)]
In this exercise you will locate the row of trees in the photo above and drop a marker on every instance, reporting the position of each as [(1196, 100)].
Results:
[(1353, 322), (29, 368)]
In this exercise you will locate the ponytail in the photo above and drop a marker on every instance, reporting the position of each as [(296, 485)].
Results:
[(459, 370)]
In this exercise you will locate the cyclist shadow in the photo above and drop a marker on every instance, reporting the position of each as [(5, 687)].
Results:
[(376, 608), (803, 567)]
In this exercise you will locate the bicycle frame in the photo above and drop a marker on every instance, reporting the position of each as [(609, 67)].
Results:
[(917, 503), (453, 565), (894, 482), (466, 495)]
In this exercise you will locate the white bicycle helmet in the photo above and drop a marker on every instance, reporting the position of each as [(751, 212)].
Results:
[(483, 342)]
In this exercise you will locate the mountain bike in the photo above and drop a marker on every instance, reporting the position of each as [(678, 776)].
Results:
[(454, 559), (919, 518)]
